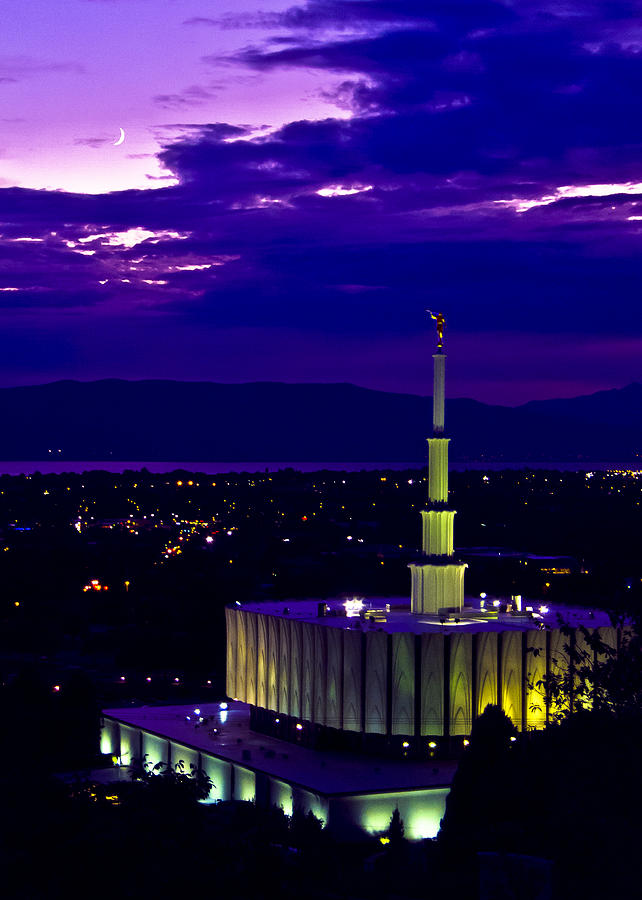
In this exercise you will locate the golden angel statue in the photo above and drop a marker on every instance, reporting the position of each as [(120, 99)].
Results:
[(440, 322)]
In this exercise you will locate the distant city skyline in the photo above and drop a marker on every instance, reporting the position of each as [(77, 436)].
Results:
[(298, 182)]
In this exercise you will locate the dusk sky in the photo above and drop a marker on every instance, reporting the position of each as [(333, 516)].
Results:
[(297, 183)]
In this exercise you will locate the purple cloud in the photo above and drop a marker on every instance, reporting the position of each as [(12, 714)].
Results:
[(489, 165)]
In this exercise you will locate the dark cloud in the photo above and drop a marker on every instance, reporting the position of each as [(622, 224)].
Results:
[(200, 20), (15, 68), (458, 180), (95, 142), (194, 95), (344, 14)]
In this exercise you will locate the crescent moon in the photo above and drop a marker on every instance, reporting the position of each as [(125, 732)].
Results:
[(120, 139)]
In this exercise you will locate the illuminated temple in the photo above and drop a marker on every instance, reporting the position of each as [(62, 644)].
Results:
[(352, 708), (395, 672)]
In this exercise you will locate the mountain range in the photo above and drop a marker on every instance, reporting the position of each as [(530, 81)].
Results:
[(204, 421)]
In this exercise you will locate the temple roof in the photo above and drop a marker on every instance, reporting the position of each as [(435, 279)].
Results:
[(392, 615), (325, 772)]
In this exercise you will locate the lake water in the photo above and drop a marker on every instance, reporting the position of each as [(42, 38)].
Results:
[(217, 468)]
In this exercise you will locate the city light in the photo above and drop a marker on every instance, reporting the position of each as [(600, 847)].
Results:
[(95, 585), (353, 607)]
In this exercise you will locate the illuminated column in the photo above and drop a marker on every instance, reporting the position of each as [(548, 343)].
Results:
[(439, 392), (438, 579)]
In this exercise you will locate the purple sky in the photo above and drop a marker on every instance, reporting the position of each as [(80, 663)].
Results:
[(298, 183)]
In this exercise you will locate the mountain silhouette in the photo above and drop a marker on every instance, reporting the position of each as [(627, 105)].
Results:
[(190, 421)]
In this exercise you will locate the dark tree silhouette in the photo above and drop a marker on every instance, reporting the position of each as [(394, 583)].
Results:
[(396, 828)]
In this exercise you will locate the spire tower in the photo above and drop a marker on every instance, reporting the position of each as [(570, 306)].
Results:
[(438, 578)]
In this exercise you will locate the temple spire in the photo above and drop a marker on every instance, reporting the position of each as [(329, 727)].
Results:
[(439, 375), (438, 580)]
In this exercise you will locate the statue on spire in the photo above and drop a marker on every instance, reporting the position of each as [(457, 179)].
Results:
[(440, 322)]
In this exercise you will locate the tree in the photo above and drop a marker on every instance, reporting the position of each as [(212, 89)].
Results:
[(593, 674), (396, 829), (305, 828), (167, 783), (481, 798)]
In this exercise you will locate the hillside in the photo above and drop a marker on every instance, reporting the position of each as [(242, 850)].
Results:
[(171, 420)]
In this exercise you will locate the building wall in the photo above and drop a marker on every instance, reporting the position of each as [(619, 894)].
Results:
[(461, 693), (609, 636), (376, 682), (421, 812), (219, 771), (273, 663), (511, 682), (244, 784), (584, 651), (110, 739), (262, 662), (241, 655), (393, 684), (129, 745), (346, 815), (351, 680), (231, 621), (432, 684), (334, 680), (283, 671), (309, 801), (251, 657), (557, 663), (486, 670), (184, 757), (320, 674), (307, 681), (534, 676), (281, 795), (403, 683), (155, 749), (296, 666)]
